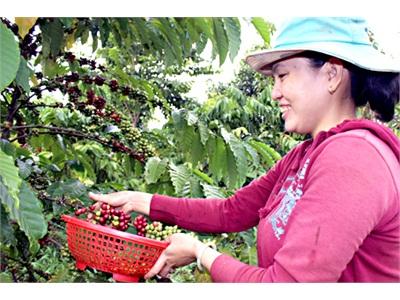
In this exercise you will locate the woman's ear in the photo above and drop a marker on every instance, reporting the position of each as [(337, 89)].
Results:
[(335, 72)]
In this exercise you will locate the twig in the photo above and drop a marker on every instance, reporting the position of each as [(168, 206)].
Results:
[(58, 244), (71, 132), (29, 267)]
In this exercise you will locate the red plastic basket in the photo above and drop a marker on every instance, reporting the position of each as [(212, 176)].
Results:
[(127, 256)]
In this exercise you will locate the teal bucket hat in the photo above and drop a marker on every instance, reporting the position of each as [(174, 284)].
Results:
[(342, 37)]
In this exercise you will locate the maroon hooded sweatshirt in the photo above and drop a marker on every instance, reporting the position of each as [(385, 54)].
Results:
[(328, 211)]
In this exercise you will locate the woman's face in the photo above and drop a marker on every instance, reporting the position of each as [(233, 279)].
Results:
[(301, 91)]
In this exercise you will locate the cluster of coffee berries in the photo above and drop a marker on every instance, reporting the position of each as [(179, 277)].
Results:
[(70, 57), (100, 81), (106, 215), (157, 231), (140, 223), (154, 230), (132, 134), (146, 149), (29, 43)]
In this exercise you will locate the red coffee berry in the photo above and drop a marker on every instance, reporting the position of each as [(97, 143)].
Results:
[(99, 80)]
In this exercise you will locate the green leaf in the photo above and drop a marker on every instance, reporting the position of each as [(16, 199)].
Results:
[(196, 148), (95, 43), (9, 174), (6, 278), (28, 214), (50, 67), (179, 119), (231, 177), (25, 168), (85, 36), (123, 24), (104, 31), (211, 191), (217, 157), (23, 75), (7, 200), (154, 169), (67, 22), (172, 38), (204, 133), (180, 175), (232, 27), (222, 43), (87, 164), (7, 232), (7, 147), (269, 155), (61, 276), (239, 153), (74, 188), (192, 189), (201, 43), (162, 188), (255, 158), (9, 56), (203, 28), (192, 119), (189, 140), (264, 28), (71, 188), (53, 35), (31, 218)]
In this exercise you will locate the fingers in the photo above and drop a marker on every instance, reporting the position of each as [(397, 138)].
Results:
[(158, 266), (166, 271), (97, 197)]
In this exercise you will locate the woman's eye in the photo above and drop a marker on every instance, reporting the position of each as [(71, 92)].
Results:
[(282, 75)]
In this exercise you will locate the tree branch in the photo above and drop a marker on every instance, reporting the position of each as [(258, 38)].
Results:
[(12, 109), (30, 268), (71, 132)]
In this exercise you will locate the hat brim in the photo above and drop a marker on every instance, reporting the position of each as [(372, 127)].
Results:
[(363, 56)]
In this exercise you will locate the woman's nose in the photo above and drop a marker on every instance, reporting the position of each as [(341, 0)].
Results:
[(276, 92)]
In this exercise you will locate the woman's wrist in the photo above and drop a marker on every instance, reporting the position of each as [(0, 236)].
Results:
[(140, 202), (205, 255)]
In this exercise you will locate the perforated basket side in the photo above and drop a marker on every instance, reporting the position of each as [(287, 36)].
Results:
[(110, 250)]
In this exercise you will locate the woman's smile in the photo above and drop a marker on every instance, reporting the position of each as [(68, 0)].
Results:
[(285, 110)]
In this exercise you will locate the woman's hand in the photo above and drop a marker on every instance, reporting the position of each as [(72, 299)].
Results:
[(128, 201), (181, 251)]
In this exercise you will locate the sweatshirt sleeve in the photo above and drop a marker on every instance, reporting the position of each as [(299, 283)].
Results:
[(345, 196), (236, 213)]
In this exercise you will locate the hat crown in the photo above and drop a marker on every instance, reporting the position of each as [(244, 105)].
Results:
[(342, 37), (299, 31)]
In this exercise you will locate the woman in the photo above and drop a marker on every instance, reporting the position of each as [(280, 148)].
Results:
[(329, 210)]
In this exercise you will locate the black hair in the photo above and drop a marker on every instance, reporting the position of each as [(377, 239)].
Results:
[(380, 89)]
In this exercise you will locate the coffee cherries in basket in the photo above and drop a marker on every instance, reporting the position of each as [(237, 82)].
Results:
[(105, 215)]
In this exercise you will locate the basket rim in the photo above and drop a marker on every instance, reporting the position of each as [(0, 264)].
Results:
[(125, 235)]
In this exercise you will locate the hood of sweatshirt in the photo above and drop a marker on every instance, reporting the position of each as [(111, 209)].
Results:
[(381, 131)]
